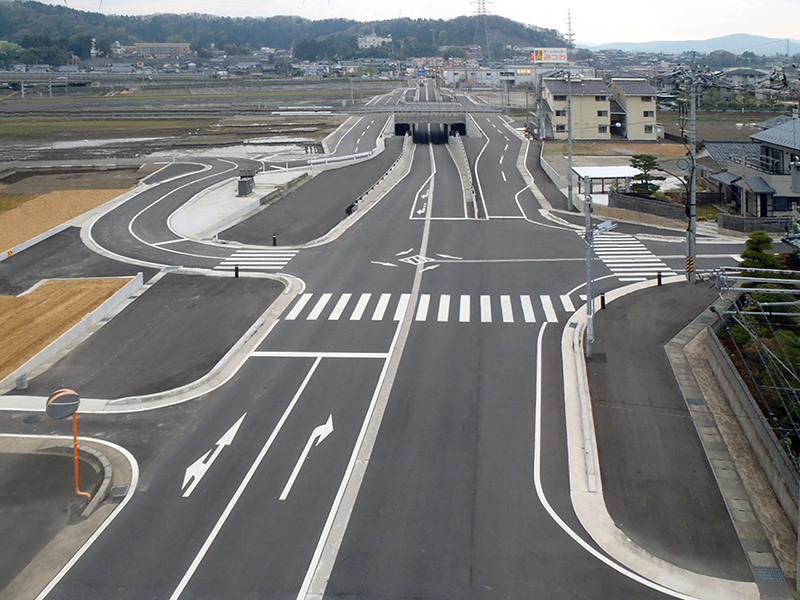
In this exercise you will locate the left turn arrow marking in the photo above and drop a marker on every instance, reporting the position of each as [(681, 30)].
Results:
[(196, 471)]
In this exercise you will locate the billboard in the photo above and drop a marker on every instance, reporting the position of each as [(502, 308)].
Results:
[(549, 55)]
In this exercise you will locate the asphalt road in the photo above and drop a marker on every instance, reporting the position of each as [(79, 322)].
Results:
[(381, 440)]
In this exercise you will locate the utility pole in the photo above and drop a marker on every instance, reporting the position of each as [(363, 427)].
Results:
[(691, 231), (569, 113)]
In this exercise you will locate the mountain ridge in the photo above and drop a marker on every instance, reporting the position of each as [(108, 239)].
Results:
[(737, 43)]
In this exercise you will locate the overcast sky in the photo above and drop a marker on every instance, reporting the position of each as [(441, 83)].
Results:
[(593, 21)]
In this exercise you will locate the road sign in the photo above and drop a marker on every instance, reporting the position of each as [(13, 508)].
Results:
[(62, 404)]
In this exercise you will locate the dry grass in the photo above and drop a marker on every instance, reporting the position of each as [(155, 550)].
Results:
[(661, 149), (29, 323), (11, 201), (42, 213)]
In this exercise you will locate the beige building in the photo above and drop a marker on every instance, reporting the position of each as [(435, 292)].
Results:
[(591, 106), (633, 110)]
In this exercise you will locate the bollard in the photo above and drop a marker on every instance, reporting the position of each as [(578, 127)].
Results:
[(236, 271), (274, 240), (602, 301), (659, 278)]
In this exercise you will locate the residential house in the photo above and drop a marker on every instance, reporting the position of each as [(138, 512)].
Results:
[(760, 184), (633, 110), (591, 109)]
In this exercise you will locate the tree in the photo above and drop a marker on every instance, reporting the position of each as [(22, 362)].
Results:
[(756, 255), (646, 163)]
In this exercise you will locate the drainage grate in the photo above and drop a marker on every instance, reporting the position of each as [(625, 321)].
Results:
[(696, 402), (119, 491), (768, 573)]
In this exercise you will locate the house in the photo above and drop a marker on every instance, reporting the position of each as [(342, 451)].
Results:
[(633, 110), (745, 78), (760, 184), (373, 41), (591, 108)]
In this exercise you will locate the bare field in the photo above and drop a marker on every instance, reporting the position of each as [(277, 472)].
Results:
[(29, 323), (662, 149), (44, 212)]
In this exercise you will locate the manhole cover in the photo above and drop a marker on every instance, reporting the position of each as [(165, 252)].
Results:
[(32, 419)]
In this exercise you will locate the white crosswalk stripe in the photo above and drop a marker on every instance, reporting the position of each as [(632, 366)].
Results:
[(503, 308), (628, 258), (257, 260)]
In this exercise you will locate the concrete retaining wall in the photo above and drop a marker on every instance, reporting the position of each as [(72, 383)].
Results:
[(781, 473), (750, 224), (459, 154), (70, 335), (648, 206), (557, 179)]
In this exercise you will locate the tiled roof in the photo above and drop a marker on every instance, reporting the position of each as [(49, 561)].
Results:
[(775, 121), (786, 135), (580, 87), (635, 87), (721, 150), (758, 186)]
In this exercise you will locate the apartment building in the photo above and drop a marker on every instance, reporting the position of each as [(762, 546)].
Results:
[(591, 108), (633, 110)]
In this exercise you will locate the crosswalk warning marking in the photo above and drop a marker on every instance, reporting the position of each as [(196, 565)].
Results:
[(463, 310), (486, 309), (301, 303), (566, 302), (527, 309), (444, 308), (319, 306), (549, 310), (505, 309), (422, 307), (361, 306), (380, 309), (339, 308), (402, 306)]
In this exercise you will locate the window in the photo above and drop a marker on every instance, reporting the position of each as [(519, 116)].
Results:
[(647, 98), (649, 114), (561, 128), (561, 113), (560, 98), (602, 129), (648, 129), (602, 113), (600, 98)]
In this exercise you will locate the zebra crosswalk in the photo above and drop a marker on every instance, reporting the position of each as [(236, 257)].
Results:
[(257, 260), (440, 308), (628, 258)]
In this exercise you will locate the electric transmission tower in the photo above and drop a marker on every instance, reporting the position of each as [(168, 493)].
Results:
[(480, 19)]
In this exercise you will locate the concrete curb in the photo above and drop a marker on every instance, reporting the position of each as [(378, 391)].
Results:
[(76, 330), (97, 461), (55, 560), (589, 506)]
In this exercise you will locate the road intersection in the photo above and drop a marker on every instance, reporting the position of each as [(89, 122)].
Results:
[(399, 431)]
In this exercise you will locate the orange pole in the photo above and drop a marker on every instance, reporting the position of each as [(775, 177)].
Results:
[(78, 491)]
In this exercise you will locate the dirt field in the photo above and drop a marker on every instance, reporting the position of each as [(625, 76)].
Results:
[(30, 322), (662, 149), (47, 211)]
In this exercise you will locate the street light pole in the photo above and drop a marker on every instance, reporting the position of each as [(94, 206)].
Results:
[(589, 238)]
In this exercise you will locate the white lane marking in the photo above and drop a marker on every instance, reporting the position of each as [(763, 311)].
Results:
[(566, 302), (409, 251), (319, 434), (506, 148), (401, 306), (289, 354), (240, 490), (449, 257), (422, 307), (197, 470), (463, 310), (486, 309), (430, 268), (503, 173), (444, 308), (505, 309), (380, 309), (506, 137), (737, 258), (549, 311), (301, 304), (501, 160), (527, 309), (339, 308), (361, 306), (319, 307), (383, 264)]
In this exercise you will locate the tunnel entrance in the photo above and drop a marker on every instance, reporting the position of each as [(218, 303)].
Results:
[(459, 128), (430, 133), (401, 128)]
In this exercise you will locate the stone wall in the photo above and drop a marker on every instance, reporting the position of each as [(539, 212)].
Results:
[(750, 224), (650, 206)]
